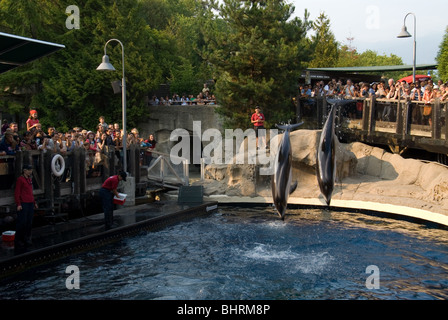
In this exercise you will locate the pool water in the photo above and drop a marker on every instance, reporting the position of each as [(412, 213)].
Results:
[(249, 253)]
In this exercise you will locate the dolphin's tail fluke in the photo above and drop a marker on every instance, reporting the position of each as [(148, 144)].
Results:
[(289, 127)]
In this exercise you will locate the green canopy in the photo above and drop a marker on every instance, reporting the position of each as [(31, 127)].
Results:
[(16, 51)]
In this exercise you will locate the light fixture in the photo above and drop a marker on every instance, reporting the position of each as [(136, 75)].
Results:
[(107, 66)]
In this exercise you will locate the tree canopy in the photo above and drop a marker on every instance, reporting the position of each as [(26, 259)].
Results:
[(442, 58), (254, 52)]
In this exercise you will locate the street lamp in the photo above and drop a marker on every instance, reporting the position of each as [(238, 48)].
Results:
[(405, 34), (107, 66)]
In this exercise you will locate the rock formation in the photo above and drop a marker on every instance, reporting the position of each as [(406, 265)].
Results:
[(364, 173)]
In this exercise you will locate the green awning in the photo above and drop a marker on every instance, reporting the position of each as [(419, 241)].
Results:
[(377, 68), (16, 51)]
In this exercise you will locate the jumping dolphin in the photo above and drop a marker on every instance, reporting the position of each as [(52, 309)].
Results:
[(326, 153), (281, 179)]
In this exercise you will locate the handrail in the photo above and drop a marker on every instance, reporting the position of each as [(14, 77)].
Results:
[(166, 173)]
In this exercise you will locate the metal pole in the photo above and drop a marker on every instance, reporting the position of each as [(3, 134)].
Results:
[(123, 104)]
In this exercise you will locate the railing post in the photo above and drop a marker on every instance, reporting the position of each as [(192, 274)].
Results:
[(371, 124), (400, 119), (436, 124), (365, 114), (407, 118)]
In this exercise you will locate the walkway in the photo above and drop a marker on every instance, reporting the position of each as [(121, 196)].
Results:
[(56, 241)]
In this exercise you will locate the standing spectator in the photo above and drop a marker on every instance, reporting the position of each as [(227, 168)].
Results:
[(428, 98), (150, 144), (349, 89), (258, 121), (103, 122), (26, 204), (32, 120), (205, 89)]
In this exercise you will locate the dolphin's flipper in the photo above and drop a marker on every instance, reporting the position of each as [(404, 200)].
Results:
[(293, 187)]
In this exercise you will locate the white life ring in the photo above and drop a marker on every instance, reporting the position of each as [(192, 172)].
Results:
[(57, 167)]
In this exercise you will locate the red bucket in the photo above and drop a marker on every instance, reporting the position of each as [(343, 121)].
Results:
[(121, 200), (8, 236)]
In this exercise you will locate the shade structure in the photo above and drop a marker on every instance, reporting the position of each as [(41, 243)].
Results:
[(420, 77), (16, 51)]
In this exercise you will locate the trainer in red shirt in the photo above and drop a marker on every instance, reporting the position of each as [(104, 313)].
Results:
[(24, 189)]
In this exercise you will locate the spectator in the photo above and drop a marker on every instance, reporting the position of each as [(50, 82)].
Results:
[(8, 145), (349, 89), (150, 144), (5, 126), (15, 131), (32, 120), (428, 98), (205, 89), (27, 142), (103, 123)]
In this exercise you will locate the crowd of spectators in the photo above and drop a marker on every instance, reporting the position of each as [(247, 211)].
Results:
[(205, 97), (425, 91), (35, 138), (389, 90)]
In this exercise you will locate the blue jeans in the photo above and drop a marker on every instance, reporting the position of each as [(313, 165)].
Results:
[(107, 198), (24, 223)]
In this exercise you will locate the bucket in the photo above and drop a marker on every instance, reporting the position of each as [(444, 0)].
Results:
[(121, 199), (8, 236)]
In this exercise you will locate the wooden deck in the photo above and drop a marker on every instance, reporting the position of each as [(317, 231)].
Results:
[(399, 124)]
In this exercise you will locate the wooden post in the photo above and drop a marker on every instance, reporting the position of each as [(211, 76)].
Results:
[(436, 130), (48, 181), (365, 114), (371, 124), (400, 119)]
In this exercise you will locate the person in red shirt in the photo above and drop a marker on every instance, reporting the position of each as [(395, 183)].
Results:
[(258, 121), (107, 192), (25, 202), (32, 120)]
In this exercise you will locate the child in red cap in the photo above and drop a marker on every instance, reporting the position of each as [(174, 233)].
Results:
[(32, 120)]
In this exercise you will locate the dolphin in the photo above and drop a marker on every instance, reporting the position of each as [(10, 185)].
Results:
[(282, 177), (326, 152), (326, 158)]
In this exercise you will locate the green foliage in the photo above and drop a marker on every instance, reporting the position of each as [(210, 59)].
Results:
[(65, 87), (324, 44), (442, 58), (256, 51)]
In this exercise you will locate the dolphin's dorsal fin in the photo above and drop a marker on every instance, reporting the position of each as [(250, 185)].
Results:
[(289, 126)]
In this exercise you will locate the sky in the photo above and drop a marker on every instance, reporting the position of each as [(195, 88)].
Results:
[(375, 24)]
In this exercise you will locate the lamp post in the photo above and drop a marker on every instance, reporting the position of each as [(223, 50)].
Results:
[(405, 34), (107, 66)]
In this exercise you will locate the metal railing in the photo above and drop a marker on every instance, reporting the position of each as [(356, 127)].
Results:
[(161, 169)]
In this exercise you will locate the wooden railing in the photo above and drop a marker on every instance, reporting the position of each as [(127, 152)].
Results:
[(400, 124)]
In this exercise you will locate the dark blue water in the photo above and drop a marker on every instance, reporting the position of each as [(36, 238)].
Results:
[(252, 254)]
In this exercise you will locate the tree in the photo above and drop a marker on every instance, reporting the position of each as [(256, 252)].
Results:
[(256, 51), (67, 90), (324, 44), (442, 58)]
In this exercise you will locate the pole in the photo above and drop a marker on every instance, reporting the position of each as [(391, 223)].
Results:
[(123, 104)]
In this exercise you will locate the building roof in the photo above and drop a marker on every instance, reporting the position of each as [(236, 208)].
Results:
[(16, 51), (376, 68)]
